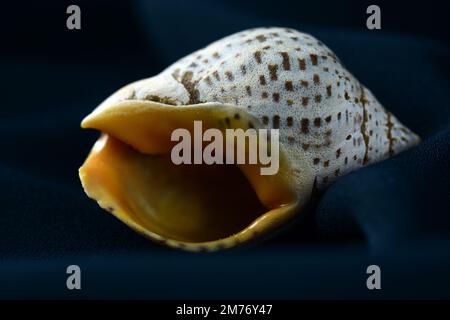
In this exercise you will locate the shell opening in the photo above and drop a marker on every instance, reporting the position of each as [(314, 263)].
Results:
[(130, 173)]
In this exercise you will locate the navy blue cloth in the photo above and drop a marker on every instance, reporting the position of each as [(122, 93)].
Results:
[(395, 214)]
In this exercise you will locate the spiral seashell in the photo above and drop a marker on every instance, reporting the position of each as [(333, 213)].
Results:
[(275, 78)]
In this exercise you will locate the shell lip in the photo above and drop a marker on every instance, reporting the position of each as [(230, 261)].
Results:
[(268, 220)]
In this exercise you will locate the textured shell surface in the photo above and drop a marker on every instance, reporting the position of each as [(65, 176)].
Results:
[(277, 78), (293, 82)]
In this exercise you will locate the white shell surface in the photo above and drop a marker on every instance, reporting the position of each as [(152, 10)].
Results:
[(330, 124)]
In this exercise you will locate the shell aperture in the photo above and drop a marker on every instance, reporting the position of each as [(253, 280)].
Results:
[(275, 78)]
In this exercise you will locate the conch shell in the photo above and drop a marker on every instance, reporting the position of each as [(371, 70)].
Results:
[(329, 124)]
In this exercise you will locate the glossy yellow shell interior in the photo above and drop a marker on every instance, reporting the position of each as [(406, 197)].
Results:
[(194, 207)]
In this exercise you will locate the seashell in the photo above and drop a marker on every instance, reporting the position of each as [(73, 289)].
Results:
[(329, 125)]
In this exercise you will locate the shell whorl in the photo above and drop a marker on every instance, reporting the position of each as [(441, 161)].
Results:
[(291, 81)]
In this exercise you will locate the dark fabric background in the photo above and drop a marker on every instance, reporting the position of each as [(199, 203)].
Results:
[(395, 214)]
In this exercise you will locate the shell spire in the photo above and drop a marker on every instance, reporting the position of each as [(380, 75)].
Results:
[(275, 78)]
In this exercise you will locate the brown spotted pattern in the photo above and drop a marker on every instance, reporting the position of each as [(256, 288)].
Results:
[(329, 123)]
